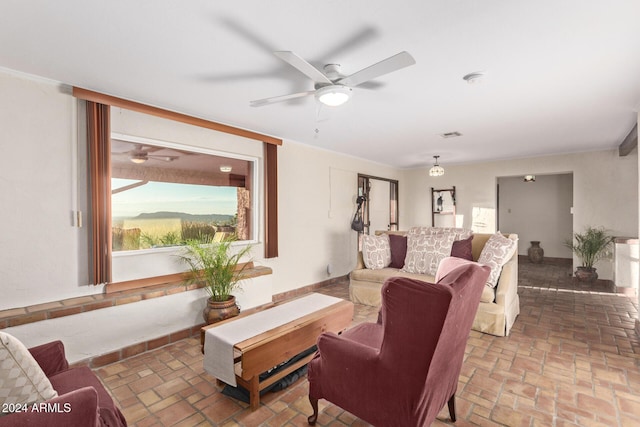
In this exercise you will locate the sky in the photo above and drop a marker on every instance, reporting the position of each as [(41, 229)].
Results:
[(171, 197)]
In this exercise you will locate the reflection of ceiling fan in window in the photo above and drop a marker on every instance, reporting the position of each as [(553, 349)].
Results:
[(142, 153)]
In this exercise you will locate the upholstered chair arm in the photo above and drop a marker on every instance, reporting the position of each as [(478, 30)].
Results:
[(341, 362), (359, 262), (76, 408), (507, 286), (50, 357), (334, 348)]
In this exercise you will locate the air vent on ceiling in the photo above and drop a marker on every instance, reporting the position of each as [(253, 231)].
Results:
[(450, 135)]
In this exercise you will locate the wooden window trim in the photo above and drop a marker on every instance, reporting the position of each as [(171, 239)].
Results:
[(101, 261), (271, 201), (113, 101)]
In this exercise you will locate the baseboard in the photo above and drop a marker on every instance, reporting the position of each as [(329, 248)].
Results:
[(306, 289), (548, 260), (630, 292)]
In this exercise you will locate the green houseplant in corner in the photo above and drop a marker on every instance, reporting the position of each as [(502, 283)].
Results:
[(590, 246), (216, 266)]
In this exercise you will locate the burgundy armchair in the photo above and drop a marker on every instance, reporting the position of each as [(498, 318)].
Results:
[(402, 370), (82, 400)]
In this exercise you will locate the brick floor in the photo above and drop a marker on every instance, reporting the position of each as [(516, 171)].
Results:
[(572, 359)]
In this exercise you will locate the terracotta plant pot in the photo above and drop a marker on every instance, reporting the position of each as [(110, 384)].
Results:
[(535, 252), (586, 274), (216, 311)]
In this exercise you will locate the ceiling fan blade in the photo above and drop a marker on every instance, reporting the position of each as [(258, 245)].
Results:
[(358, 38), (273, 100), (393, 63), (163, 158), (303, 66)]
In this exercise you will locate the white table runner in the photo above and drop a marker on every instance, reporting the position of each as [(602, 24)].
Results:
[(219, 340)]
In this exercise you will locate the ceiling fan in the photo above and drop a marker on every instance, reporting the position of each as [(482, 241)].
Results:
[(141, 154), (331, 87)]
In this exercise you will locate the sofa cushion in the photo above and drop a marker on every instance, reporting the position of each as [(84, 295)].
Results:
[(488, 294), (376, 251), (379, 276), (22, 380), (462, 248), (398, 246), (496, 252), (425, 251)]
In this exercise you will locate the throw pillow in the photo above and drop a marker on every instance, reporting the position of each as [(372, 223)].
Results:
[(376, 252), (424, 252), (420, 230), (398, 246), (462, 249), (496, 252), (460, 233), (22, 380)]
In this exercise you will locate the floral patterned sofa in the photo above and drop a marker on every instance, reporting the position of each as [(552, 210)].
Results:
[(417, 252)]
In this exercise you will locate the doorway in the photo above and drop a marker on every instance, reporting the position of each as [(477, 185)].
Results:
[(537, 210), (380, 207)]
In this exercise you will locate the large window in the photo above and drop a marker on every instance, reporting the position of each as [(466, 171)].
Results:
[(164, 194), (127, 270)]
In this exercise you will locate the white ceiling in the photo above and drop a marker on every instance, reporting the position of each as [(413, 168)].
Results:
[(561, 76)]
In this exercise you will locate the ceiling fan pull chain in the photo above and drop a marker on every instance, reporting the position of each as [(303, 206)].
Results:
[(317, 128)]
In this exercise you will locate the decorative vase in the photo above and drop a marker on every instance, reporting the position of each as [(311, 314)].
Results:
[(216, 311), (536, 253), (586, 274)]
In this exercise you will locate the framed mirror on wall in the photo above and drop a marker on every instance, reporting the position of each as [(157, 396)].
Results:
[(443, 207)]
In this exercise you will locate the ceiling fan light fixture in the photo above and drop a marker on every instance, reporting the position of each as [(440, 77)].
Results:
[(436, 169), (333, 95), (138, 159)]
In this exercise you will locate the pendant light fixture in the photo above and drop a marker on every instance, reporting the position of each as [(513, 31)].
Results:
[(436, 170)]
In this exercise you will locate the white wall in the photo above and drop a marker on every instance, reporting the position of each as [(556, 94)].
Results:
[(317, 192), (538, 210), (605, 190), (38, 243)]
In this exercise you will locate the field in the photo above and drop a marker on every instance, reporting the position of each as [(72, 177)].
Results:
[(145, 233)]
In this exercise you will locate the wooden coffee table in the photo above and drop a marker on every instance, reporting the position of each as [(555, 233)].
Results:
[(266, 350)]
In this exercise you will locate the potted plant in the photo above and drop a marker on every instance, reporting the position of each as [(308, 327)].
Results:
[(591, 246), (214, 265)]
